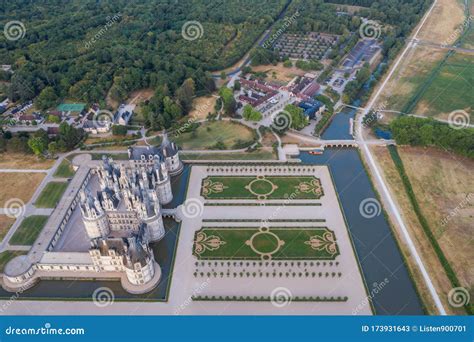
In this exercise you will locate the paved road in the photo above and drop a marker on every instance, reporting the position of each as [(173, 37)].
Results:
[(440, 46), (380, 183), (409, 114), (301, 137), (23, 170)]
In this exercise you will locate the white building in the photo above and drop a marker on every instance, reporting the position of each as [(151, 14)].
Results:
[(124, 114)]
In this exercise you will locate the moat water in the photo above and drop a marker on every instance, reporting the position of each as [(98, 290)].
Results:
[(340, 125), (388, 282)]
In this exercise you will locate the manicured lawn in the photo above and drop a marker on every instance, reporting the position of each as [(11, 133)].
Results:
[(6, 256), (64, 170), (28, 230), (265, 244), (272, 187), (51, 195), (209, 133)]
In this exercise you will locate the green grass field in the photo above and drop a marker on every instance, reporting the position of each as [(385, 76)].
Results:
[(51, 195), (209, 133), (451, 89), (28, 230), (272, 187), (64, 170), (265, 243), (6, 256)]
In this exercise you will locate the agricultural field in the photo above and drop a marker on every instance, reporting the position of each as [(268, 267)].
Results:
[(419, 66), (28, 230), (19, 186), (265, 243), (442, 26), (468, 39), (261, 187), (412, 72), (450, 90), (51, 195), (208, 134), (442, 187)]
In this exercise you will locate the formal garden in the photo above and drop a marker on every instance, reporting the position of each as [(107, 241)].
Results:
[(236, 243), (262, 187)]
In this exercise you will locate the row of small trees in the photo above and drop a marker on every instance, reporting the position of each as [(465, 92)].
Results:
[(269, 299), (266, 263), (260, 274)]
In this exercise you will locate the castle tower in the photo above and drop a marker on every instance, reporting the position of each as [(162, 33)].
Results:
[(150, 214), (94, 217), (171, 156), (139, 260), (163, 183)]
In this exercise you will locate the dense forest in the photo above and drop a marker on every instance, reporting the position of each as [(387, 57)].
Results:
[(87, 50), (84, 48), (413, 131)]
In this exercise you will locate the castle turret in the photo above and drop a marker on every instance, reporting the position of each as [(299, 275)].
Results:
[(169, 150), (150, 213), (94, 217), (163, 183), (139, 261)]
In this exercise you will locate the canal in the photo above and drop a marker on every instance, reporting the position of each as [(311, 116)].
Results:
[(388, 282)]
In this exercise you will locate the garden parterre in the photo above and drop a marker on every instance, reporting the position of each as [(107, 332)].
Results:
[(263, 243)]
